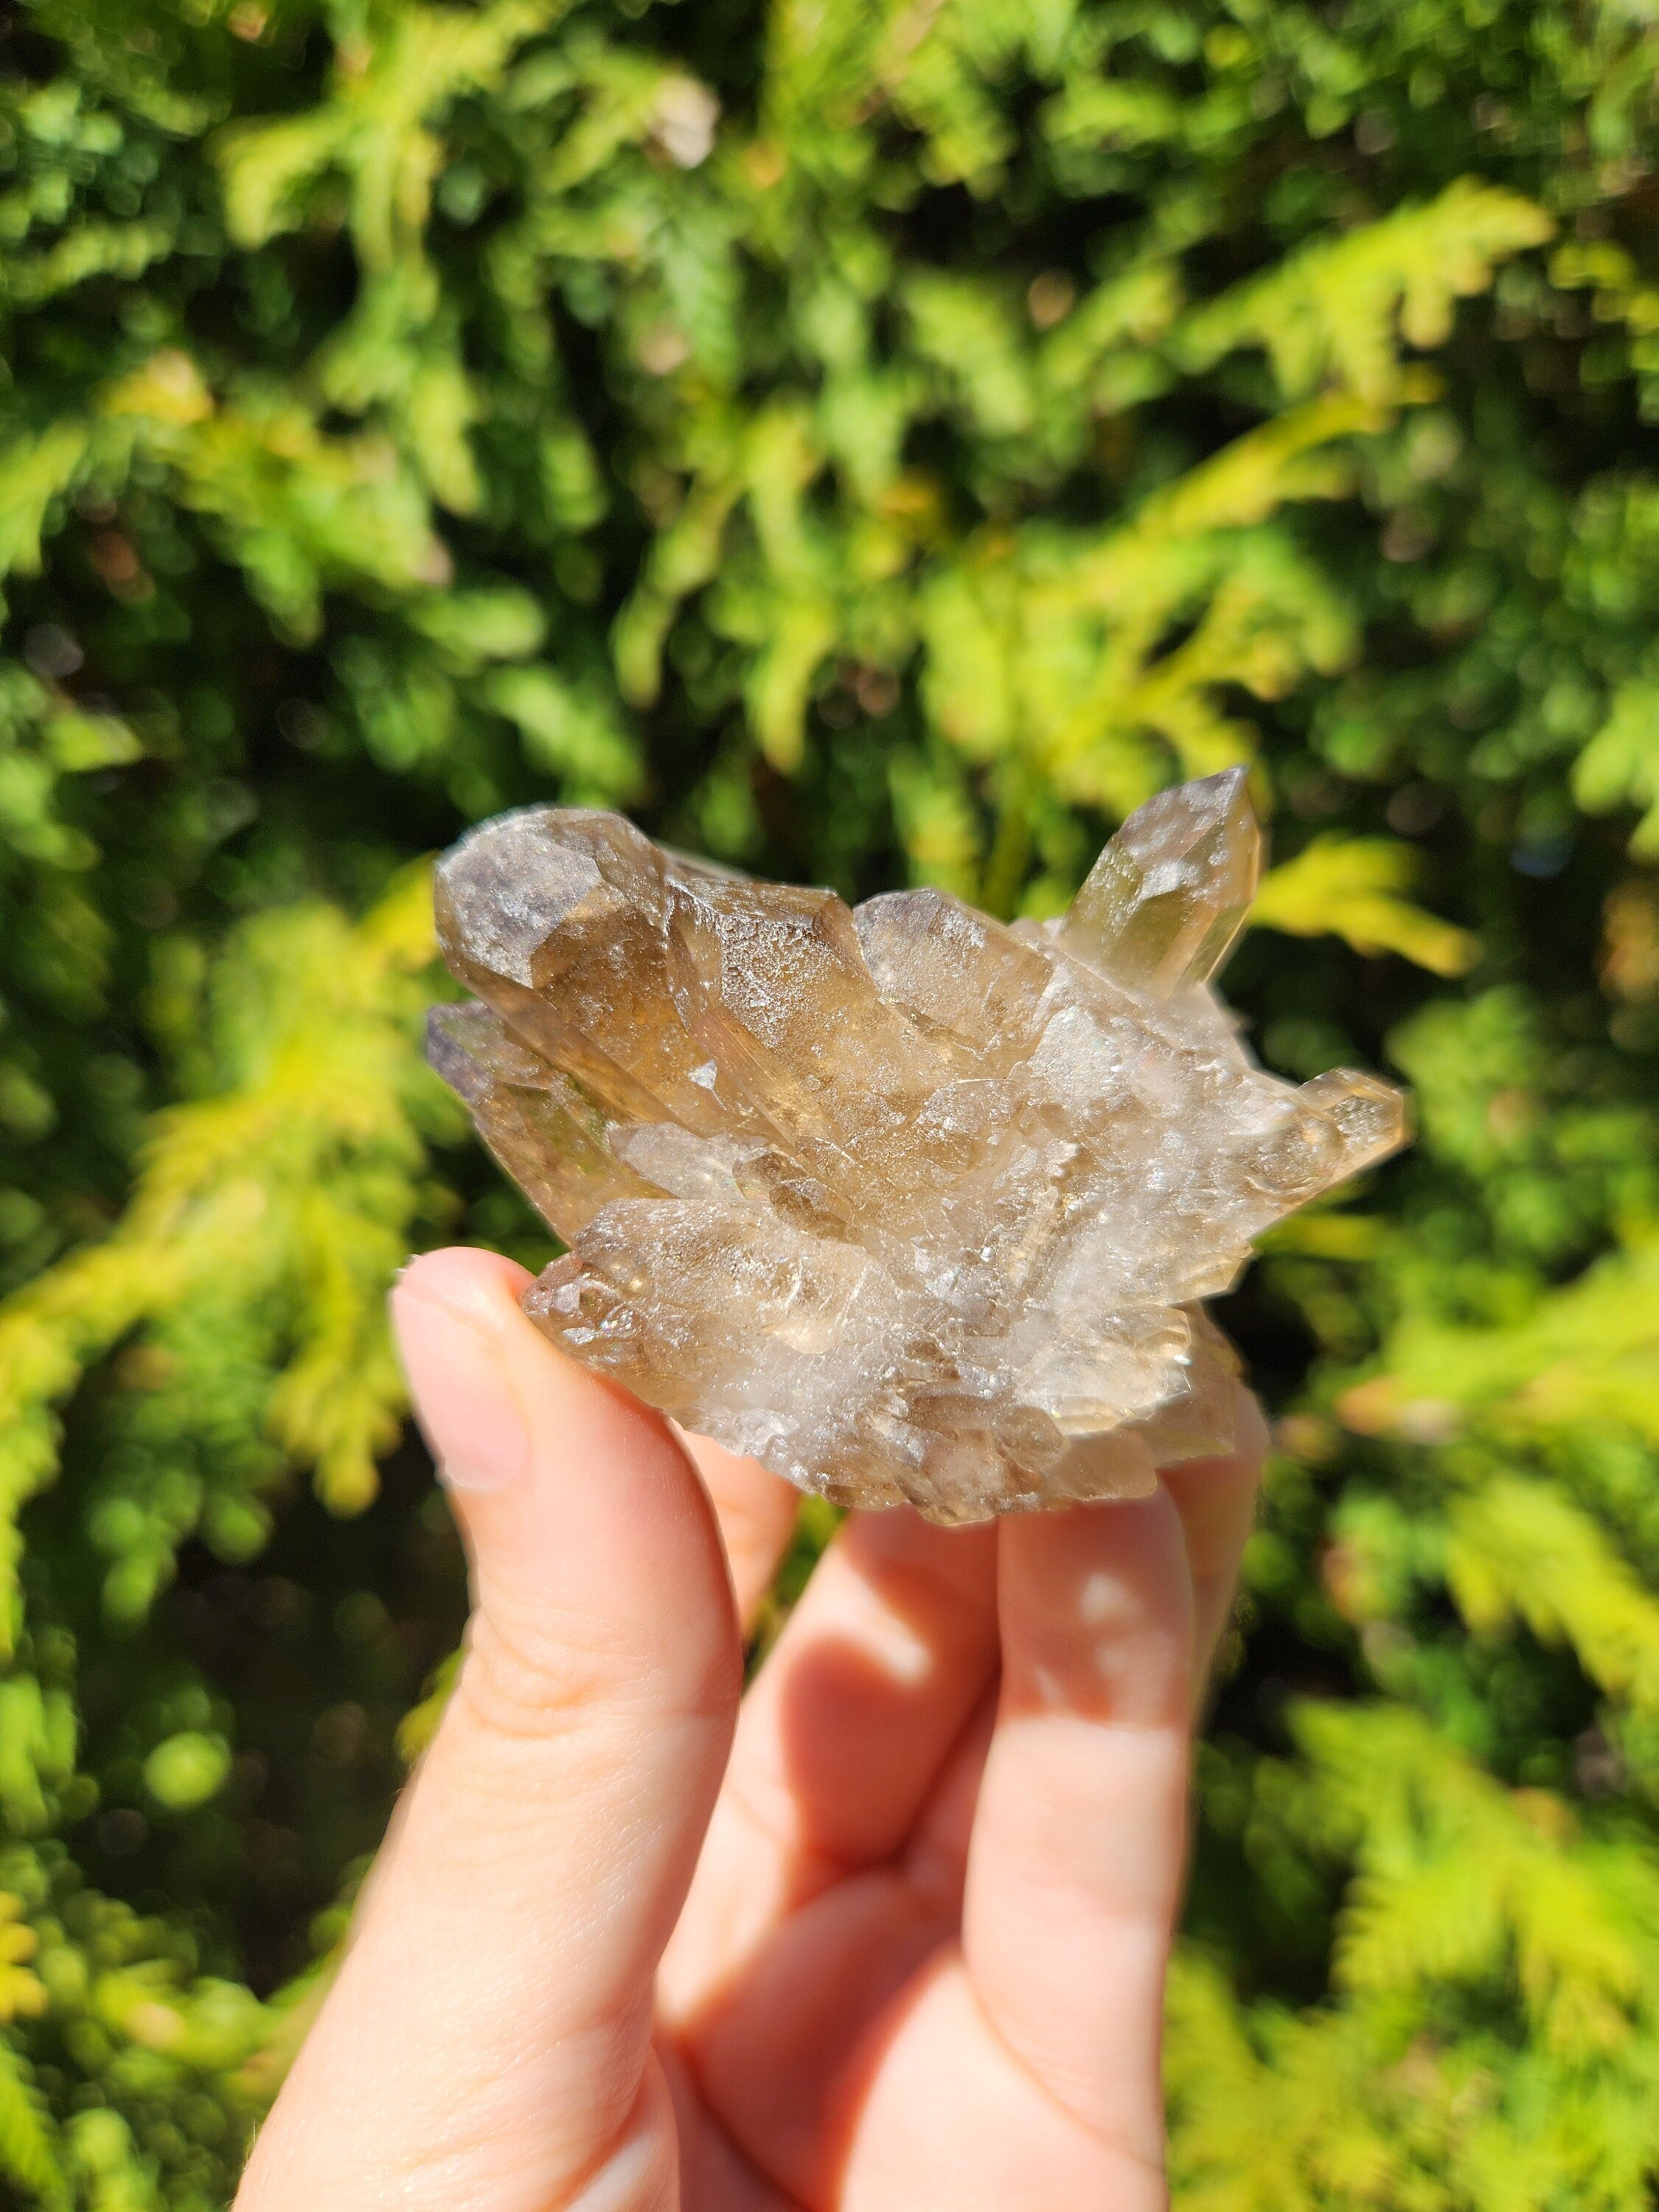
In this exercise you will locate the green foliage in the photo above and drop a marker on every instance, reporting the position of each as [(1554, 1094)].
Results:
[(874, 441)]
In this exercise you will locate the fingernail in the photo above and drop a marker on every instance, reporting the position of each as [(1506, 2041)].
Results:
[(464, 1400)]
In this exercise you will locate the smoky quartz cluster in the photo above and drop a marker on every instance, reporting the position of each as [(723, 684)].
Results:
[(910, 1204)]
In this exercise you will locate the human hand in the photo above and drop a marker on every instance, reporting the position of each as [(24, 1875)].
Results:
[(892, 1938)]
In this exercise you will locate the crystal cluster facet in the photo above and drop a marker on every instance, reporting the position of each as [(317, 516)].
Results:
[(907, 1203)]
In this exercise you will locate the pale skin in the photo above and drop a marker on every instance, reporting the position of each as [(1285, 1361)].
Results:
[(887, 1934)]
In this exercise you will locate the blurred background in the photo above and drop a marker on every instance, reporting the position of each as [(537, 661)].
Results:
[(869, 441)]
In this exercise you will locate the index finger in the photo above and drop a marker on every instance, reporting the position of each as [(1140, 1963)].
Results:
[(756, 1511)]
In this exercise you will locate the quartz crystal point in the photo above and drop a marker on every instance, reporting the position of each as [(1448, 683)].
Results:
[(907, 1203)]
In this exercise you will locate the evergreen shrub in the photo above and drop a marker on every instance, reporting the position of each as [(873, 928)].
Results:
[(868, 440)]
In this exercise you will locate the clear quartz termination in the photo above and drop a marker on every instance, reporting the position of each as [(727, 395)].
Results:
[(907, 1203)]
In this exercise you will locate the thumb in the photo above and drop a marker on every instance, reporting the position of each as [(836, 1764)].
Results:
[(487, 2041)]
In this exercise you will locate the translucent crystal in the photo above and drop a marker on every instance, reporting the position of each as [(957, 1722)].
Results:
[(1166, 900), (908, 1205)]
